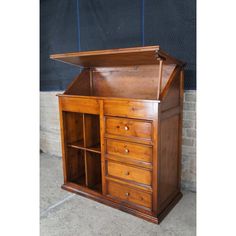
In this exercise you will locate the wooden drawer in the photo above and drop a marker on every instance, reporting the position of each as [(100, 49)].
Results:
[(127, 108), (128, 194), (82, 105), (128, 128), (139, 152), (126, 172)]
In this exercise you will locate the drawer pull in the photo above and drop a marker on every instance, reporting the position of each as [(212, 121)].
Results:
[(127, 194), (126, 127), (127, 173), (126, 150)]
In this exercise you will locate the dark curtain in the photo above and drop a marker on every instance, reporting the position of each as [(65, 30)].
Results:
[(105, 24), (58, 34)]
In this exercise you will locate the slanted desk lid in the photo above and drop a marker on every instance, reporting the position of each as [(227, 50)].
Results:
[(149, 55)]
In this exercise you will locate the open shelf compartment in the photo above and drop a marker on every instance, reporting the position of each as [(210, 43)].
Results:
[(93, 170), (76, 166), (83, 152), (82, 131)]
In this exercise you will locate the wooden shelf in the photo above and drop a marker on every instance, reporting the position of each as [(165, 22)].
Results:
[(79, 145), (96, 149)]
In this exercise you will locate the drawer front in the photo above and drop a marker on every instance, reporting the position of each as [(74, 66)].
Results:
[(129, 173), (129, 150), (132, 109), (128, 194), (82, 105), (128, 128)]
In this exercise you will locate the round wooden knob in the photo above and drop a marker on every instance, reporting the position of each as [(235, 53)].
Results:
[(127, 194), (127, 173), (126, 150), (126, 127)]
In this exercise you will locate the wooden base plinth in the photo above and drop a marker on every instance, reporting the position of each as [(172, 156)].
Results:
[(107, 201)]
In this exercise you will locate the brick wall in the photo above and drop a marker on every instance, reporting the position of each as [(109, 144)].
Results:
[(189, 141), (50, 133), (50, 141)]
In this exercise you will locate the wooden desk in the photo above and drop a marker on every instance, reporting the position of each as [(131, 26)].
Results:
[(121, 122)]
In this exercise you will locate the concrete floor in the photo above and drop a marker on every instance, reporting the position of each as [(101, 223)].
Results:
[(66, 214)]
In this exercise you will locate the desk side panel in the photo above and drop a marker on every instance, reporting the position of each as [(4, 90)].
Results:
[(170, 143)]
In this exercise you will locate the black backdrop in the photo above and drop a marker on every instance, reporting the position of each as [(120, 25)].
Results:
[(80, 25)]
